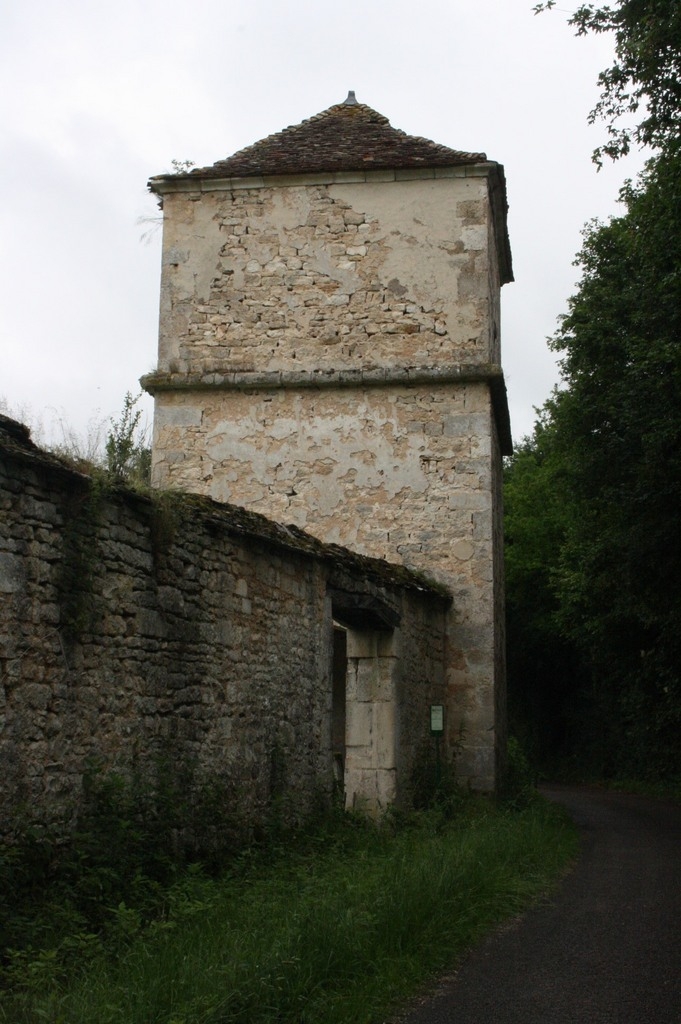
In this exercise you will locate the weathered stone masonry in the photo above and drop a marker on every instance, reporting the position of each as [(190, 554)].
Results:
[(329, 356), (132, 628)]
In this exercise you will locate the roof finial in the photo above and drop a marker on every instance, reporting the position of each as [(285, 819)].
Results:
[(351, 100)]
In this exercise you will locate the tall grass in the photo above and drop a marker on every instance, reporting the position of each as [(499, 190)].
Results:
[(339, 932)]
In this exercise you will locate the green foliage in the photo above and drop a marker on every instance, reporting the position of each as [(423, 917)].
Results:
[(645, 76), (434, 785), (593, 539), (594, 542), (118, 448), (64, 900), (620, 434), (182, 166), (338, 926), (128, 456), (519, 785), (544, 666)]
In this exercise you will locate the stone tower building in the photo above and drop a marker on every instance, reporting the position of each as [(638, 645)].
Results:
[(329, 356)]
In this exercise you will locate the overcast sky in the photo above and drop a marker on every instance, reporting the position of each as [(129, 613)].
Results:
[(95, 98)]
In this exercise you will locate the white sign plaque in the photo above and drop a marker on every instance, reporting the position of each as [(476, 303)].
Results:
[(437, 718)]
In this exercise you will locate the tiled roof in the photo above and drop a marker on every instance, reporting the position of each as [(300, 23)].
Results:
[(349, 136)]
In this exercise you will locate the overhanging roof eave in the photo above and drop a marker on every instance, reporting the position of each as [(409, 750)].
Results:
[(165, 184)]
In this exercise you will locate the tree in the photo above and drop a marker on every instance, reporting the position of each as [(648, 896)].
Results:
[(601, 477), (543, 663), (645, 79), (619, 438), (613, 473)]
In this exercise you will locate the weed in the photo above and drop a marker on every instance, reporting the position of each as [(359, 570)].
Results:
[(68, 899), (519, 787), (128, 455), (337, 924)]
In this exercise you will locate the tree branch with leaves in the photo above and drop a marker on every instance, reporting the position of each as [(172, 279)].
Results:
[(645, 79)]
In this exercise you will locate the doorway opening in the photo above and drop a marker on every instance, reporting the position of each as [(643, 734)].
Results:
[(339, 677)]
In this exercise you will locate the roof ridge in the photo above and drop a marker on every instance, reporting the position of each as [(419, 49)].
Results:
[(322, 115), (339, 107)]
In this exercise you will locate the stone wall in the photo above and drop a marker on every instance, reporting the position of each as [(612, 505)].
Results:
[(398, 473), (136, 627), (374, 273), (329, 356)]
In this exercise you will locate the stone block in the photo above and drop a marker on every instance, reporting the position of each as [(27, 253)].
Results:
[(358, 729), (177, 416), (362, 644), (384, 734)]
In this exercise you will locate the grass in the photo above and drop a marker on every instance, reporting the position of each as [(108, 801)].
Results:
[(340, 928)]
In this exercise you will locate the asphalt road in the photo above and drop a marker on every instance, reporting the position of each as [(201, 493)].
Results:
[(606, 948)]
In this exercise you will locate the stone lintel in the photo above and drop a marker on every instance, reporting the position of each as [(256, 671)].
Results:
[(363, 611)]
